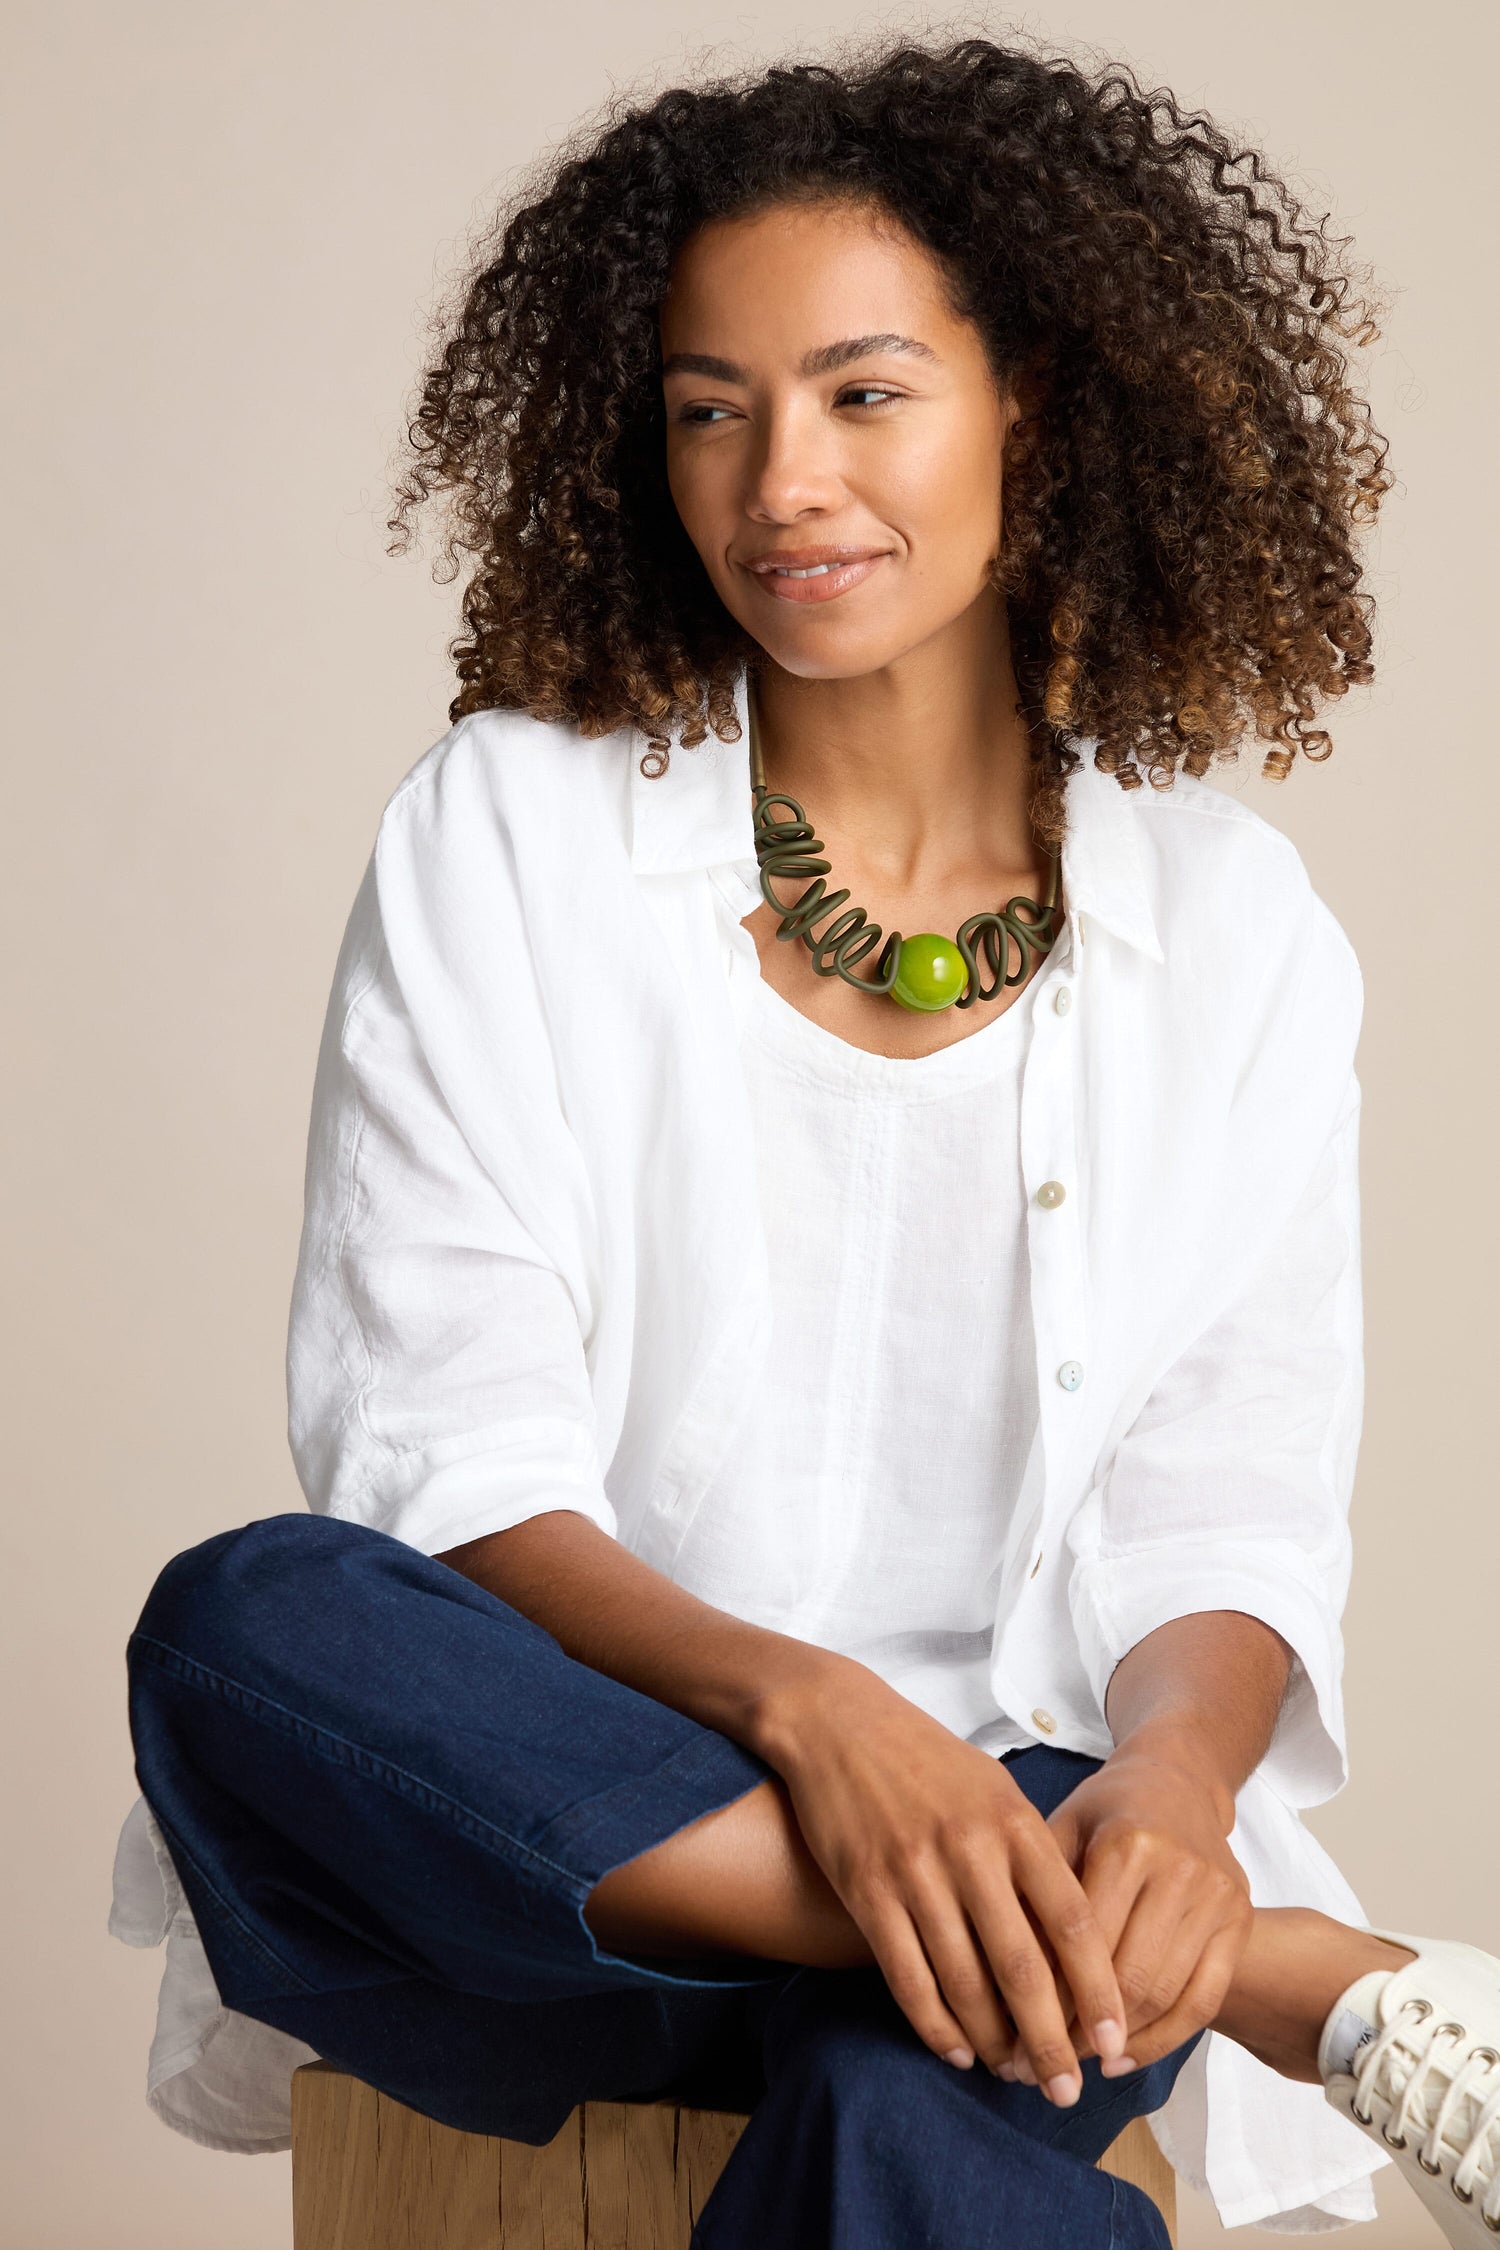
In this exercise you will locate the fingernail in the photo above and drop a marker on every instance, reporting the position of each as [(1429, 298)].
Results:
[(962, 2058), (1109, 2038), (1118, 2067), (1024, 2071), (1063, 2091), (1007, 2071)]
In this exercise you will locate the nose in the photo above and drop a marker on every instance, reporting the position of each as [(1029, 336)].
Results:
[(794, 470)]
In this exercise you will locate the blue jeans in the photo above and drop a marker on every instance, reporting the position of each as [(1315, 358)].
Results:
[(388, 1796)]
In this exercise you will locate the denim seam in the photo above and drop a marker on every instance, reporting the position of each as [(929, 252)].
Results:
[(181, 1852), (328, 1745)]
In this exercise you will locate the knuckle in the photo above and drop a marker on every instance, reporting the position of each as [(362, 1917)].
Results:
[(1022, 1971), (865, 1884), (877, 1891), (1023, 1829), (1113, 1842), (966, 1987), (1051, 2056), (1207, 1990), (1200, 2005), (960, 1836), (1075, 1923), (1128, 1839), (1136, 1983), (914, 1852)]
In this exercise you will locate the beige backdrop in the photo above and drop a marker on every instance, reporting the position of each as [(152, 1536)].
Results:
[(229, 221)]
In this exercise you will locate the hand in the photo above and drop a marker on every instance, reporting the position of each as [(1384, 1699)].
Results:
[(951, 1874), (1146, 1835)]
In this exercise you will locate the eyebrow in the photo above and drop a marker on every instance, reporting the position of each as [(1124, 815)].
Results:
[(825, 359)]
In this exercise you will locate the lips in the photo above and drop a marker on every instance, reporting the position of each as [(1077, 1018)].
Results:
[(799, 559), (813, 574)]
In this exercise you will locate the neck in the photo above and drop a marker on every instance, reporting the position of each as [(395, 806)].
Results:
[(915, 764)]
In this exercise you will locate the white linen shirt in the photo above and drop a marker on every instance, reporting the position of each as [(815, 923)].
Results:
[(865, 1504), (532, 1276)]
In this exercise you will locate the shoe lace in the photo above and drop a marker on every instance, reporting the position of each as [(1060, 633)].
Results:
[(1433, 2082)]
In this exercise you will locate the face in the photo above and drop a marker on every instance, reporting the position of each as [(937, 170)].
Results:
[(834, 435)]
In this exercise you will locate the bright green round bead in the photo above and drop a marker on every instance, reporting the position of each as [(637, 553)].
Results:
[(930, 973)]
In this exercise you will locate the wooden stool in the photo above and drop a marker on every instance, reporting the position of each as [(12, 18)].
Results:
[(370, 2174)]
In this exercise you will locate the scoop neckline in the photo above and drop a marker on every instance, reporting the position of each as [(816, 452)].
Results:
[(817, 1052)]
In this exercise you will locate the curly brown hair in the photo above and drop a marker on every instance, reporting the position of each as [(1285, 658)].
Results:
[(1180, 510)]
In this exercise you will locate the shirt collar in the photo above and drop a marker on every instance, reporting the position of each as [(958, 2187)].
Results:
[(698, 815)]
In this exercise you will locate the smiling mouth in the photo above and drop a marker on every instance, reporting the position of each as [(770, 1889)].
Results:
[(813, 578)]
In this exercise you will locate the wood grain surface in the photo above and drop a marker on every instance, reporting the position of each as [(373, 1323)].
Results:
[(370, 2174)]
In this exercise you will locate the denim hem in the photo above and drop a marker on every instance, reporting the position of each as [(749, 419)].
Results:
[(602, 1832), (606, 1831)]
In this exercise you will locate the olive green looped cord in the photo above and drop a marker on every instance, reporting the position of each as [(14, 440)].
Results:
[(787, 848)]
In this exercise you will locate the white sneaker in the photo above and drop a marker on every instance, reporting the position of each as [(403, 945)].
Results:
[(1413, 2053)]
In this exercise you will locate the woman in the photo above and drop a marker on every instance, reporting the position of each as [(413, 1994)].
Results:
[(829, 1452)]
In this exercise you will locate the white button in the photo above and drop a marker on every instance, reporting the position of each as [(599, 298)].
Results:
[(1064, 999), (1050, 1194), (1036, 1566), (1070, 1374), (1045, 1721)]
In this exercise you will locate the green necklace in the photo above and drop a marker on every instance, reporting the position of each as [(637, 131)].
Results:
[(927, 972)]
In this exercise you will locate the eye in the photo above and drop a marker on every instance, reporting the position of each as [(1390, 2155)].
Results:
[(868, 397)]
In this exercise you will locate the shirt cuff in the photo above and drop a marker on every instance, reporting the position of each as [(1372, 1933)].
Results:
[(1118, 1599), (433, 1502)]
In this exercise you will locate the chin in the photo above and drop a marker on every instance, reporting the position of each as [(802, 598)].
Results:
[(839, 662), (834, 656)]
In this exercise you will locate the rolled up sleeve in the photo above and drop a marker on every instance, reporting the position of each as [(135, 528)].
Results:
[(1231, 1489), (437, 1384)]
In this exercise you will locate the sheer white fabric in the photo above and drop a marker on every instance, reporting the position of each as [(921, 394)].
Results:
[(866, 1503)]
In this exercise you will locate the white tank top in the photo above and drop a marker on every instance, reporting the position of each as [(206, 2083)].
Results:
[(865, 1503)]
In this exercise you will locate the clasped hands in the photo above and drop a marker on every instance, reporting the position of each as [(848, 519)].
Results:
[(1112, 1928)]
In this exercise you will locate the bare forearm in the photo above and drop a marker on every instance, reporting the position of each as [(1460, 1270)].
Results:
[(1203, 1691), (615, 1613)]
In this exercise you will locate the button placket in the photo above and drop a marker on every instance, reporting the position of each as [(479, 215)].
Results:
[(1055, 1244)]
